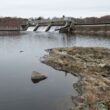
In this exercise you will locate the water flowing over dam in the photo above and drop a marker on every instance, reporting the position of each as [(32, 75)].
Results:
[(30, 28), (50, 26), (43, 28)]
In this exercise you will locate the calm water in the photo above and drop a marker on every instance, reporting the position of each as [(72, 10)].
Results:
[(17, 92)]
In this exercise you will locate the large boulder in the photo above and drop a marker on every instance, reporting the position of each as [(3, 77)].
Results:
[(37, 77)]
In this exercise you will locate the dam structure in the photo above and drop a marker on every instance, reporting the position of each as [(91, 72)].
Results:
[(63, 25), (67, 26)]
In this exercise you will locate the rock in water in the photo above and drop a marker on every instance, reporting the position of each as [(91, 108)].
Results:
[(21, 51), (37, 77)]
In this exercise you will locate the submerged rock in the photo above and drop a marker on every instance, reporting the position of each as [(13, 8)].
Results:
[(21, 51), (37, 77)]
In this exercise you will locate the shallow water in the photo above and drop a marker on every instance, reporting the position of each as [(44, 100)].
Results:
[(17, 92)]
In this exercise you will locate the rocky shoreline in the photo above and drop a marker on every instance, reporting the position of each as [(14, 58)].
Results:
[(92, 65)]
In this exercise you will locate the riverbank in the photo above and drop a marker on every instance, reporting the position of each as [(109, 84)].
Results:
[(92, 66), (12, 24), (99, 29)]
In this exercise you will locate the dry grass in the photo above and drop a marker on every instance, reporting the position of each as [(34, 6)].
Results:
[(92, 64)]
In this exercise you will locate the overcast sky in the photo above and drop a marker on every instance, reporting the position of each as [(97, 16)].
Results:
[(54, 8)]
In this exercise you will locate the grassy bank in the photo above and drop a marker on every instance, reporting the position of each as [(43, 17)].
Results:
[(92, 65), (99, 29)]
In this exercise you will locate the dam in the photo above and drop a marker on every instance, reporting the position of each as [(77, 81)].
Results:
[(50, 25), (69, 26)]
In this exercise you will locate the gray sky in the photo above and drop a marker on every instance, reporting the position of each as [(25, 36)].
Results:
[(52, 8)]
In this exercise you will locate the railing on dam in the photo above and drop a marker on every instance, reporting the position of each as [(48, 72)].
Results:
[(52, 21)]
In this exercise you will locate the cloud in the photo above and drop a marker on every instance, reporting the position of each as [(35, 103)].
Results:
[(54, 8)]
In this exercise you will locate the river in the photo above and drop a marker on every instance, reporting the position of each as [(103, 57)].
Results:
[(20, 55)]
